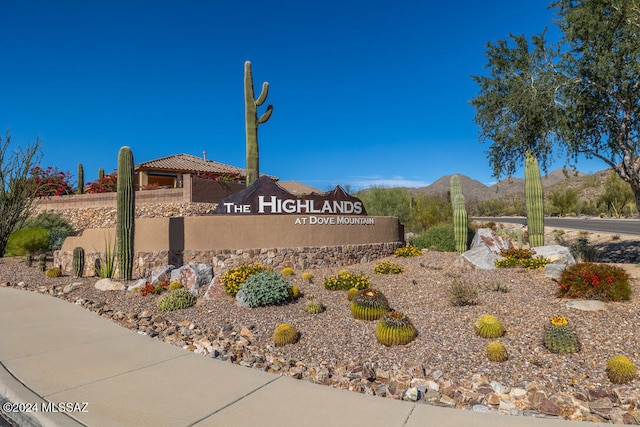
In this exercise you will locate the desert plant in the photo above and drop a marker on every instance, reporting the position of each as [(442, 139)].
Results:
[(264, 288), (440, 237), (534, 199), (395, 328), (594, 281), (313, 306), (104, 184), (78, 261), (175, 285), (294, 292), (369, 304), (252, 121), (346, 280), (388, 267), (620, 369), (496, 352), (105, 268), (51, 181), (496, 286), (408, 251), (307, 276), (80, 189), (352, 293), (126, 212), (462, 294), (560, 337), (42, 262), (583, 251), (176, 300), (235, 278), (287, 271), (53, 272), (285, 334), (27, 241), (516, 257), (488, 326)]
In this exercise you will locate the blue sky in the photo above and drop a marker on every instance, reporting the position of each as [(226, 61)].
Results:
[(364, 92)]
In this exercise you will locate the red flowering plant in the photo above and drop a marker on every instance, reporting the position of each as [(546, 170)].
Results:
[(148, 288), (594, 281), (50, 181), (106, 184)]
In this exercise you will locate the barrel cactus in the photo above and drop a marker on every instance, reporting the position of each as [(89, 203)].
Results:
[(313, 306), (559, 336), (496, 352), (395, 328), (177, 300), (620, 369), (285, 334), (488, 326), (78, 261), (369, 304)]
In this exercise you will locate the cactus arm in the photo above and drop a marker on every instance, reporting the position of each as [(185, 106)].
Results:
[(266, 115), (263, 94)]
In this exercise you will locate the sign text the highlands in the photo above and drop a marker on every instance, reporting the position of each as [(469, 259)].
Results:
[(276, 205)]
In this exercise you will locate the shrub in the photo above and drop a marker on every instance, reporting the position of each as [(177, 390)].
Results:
[(177, 300), (264, 288), (387, 267), (369, 304), (462, 294), (51, 181), (59, 228), (27, 241), (620, 369), (53, 272), (235, 278), (583, 251), (345, 280), (496, 352), (394, 328), (488, 326), (106, 184), (149, 288), (594, 281), (439, 237), (521, 258), (408, 251)]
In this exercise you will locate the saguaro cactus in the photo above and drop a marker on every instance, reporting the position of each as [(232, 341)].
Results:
[(126, 212), (534, 200), (252, 121), (80, 179), (460, 223), (100, 173), (78, 261)]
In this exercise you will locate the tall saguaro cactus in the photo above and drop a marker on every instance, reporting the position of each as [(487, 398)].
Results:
[(251, 105), (80, 179), (126, 212), (460, 221), (534, 200)]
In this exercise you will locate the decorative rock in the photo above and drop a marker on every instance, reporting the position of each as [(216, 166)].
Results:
[(109, 285), (549, 407), (480, 408), (70, 287), (161, 274), (586, 305), (412, 394), (482, 257), (554, 271), (557, 254), (486, 237), (192, 276), (137, 286)]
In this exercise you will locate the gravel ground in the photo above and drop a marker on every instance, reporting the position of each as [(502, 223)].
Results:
[(446, 348)]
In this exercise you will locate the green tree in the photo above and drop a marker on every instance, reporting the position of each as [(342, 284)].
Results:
[(383, 201), (18, 193), (427, 211), (617, 194), (564, 200), (515, 108)]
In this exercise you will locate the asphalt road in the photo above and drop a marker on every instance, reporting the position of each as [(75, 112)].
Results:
[(614, 226)]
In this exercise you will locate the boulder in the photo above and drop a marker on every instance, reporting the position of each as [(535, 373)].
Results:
[(556, 253), (137, 285), (108, 285), (192, 276), (482, 257), (161, 274), (554, 271), (488, 238), (586, 305)]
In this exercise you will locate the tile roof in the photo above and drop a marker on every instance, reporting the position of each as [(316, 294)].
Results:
[(188, 164)]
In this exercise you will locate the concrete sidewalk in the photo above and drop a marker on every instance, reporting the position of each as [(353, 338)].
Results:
[(78, 369)]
